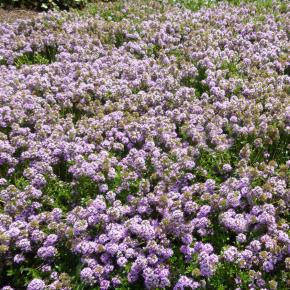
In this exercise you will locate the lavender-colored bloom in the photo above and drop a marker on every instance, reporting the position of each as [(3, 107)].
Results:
[(185, 283), (104, 285), (36, 284), (204, 211), (227, 168), (230, 254), (268, 266), (24, 245), (46, 252), (51, 240), (19, 258), (241, 238), (87, 275), (187, 239), (116, 281), (122, 261)]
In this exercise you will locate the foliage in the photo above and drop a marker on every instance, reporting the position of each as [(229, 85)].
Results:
[(44, 4), (224, 277), (44, 57), (197, 82)]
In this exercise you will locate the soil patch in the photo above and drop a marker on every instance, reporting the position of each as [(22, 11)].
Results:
[(12, 15)]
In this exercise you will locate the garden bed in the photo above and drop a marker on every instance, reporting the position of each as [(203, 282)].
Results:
[(145, 145)]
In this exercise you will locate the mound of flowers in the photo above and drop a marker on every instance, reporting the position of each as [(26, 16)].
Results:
[(146, 147)]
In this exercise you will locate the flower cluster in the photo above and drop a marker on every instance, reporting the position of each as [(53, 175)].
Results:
[(146, 146)]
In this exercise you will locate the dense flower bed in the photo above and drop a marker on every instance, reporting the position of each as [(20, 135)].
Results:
[(146, 147)]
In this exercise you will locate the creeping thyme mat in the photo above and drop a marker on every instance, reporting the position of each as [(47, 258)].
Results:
[(146, 146)]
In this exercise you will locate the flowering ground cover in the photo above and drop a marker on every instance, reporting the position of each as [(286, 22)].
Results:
[(144, 145)]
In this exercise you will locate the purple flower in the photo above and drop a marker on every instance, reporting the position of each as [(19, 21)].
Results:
[(122, 261), (24, 245), (36, 284), (87, 275), (19, 258), (230, 254), (227, 168), (104, 285), (46, 252), (51, 240), (268, 266), (241, 238), (185, 282)]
